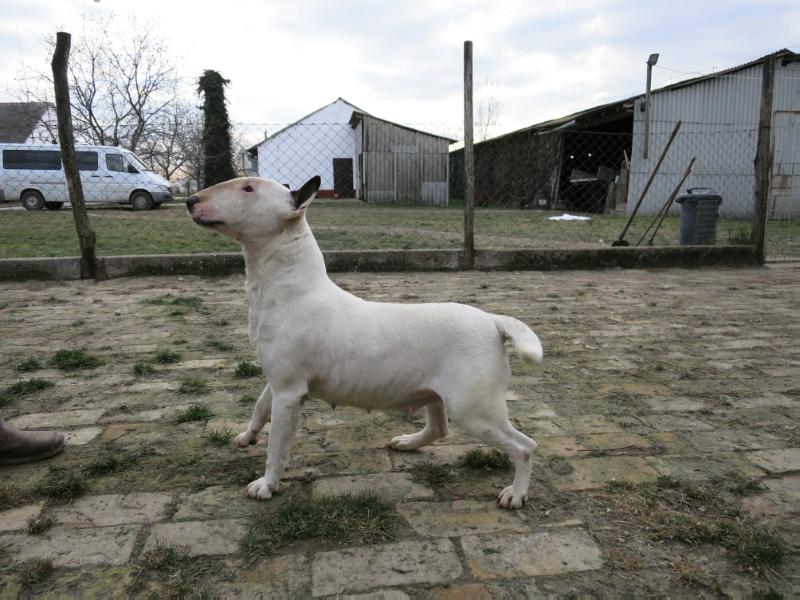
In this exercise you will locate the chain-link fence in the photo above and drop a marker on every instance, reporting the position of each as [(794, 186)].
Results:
[(386, 185)]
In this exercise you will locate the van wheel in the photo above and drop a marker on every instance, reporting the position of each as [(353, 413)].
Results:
[(141, 201), (53, 205), (32, 200)]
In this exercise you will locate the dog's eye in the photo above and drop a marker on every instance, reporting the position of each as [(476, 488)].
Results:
[(248, 188)]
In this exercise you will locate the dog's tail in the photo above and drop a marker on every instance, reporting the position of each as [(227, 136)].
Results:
[(525, 342)]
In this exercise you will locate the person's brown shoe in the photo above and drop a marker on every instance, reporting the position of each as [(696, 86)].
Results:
[(27, 446)]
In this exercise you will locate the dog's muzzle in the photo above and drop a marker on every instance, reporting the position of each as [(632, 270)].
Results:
[(191, 201)]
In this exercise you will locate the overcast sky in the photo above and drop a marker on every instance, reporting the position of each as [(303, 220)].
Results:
[(402, 61)]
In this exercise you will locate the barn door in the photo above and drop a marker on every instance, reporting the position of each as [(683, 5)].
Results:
[(343, 178)]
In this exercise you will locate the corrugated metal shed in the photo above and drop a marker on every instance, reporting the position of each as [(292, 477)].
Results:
[(719, 114)]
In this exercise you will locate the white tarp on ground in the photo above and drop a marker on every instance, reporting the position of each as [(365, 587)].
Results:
[(568, 217)]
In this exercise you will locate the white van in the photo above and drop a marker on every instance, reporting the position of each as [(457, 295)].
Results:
[(33, 175)]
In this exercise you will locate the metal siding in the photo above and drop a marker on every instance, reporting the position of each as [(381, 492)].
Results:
[(720, 122)]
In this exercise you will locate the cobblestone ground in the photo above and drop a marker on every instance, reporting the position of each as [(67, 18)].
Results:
[(666, 415)]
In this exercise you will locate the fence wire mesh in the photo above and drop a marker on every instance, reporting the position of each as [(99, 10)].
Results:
[(386, 185)]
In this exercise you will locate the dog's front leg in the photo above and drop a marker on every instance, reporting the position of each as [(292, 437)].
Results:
[(261, 414), (286, 410)]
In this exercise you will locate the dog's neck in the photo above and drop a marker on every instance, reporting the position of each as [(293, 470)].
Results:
[(281, 270)]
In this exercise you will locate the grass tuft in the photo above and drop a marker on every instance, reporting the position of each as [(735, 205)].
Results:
[(245, 369), (61, 484), (29, 364), (193, 385), (494, 460), (143, 369), (167, 357), (11, 496), (74, 360), (247, 399), (216, 344), (38, 525), (109, 462), (170, 300), (35, 571), (195, 412), (23, 388), (431, 474), (220, 437), (348, 519)]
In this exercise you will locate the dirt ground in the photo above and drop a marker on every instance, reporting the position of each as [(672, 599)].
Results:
[(666, 414)]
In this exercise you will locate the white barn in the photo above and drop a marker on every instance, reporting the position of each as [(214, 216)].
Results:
[(719, 114), (357, 155)]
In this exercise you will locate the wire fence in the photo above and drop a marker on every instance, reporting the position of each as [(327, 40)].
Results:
[(386, 185)]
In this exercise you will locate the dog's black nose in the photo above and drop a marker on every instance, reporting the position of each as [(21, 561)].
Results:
[(191, 201)]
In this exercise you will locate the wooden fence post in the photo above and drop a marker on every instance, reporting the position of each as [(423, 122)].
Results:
[(763, 162), (66, 139), (469, 164)]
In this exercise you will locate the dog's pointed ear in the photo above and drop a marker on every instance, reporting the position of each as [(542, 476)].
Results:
[(303, 197)]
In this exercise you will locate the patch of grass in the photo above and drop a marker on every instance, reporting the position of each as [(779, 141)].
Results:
[(167, 357), (738, 484), (163, 558), (143, 369), (696, 575), (494, 460), (78, 323), (4, 305), (247, 399), (23, 388), (109, 461), (38, 525), (61, 484), (195, 412), (193, 385), (179, 574), (35, 571), (177, 313), (245, 368), (74, 360), (220, 437), (222, 322), (431, 474), (55, 300), (217, 344), (11, 496), (349, 519), (29, 364), (170, 300)]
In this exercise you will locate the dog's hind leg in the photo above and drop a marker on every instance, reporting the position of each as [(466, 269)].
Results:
[(493, 427), (286, 412), (435, 429), (261, 414)]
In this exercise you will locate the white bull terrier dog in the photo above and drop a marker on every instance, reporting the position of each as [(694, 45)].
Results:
[(314, 339)]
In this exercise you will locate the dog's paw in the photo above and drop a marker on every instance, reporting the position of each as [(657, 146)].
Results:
[(508, 500), (405, 443), (260, 489), (245, 439)]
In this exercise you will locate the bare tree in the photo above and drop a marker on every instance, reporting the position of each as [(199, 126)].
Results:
[(170, 145), (488, 110), (121, 80)]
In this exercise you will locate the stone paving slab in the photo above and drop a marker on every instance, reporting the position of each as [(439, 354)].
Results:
[(57, 419), (460, 517), (216, 502), (546, 553), (287, 576), (368, 567), (113, 509), (703, 467), (199, 538), (16, 519), (594, 473), (447, 454), (782, 497), (73, 547), (777, 461), (392, 486), (81, 437)]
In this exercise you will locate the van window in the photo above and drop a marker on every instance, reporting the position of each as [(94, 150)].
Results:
[(32, 160), (87, 161), (114, 162)]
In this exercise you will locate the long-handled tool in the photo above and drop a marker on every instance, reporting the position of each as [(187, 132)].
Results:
[(621, 240), (665, 209)]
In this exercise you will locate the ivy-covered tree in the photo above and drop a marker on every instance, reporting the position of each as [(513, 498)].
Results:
[(217, 153)]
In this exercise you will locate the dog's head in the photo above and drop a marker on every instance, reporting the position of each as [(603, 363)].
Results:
[(250, 208)]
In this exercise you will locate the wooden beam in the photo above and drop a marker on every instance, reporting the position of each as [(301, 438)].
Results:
[(469, 163), (763, 161)]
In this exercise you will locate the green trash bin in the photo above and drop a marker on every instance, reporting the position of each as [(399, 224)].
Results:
[(699, 216)]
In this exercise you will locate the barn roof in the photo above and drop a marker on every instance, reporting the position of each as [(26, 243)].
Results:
[(19, 119), (359, 115)]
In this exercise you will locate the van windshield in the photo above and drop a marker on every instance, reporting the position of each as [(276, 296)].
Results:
[(136, 162)]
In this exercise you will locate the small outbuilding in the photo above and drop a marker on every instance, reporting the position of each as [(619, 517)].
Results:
[(357, 155)]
